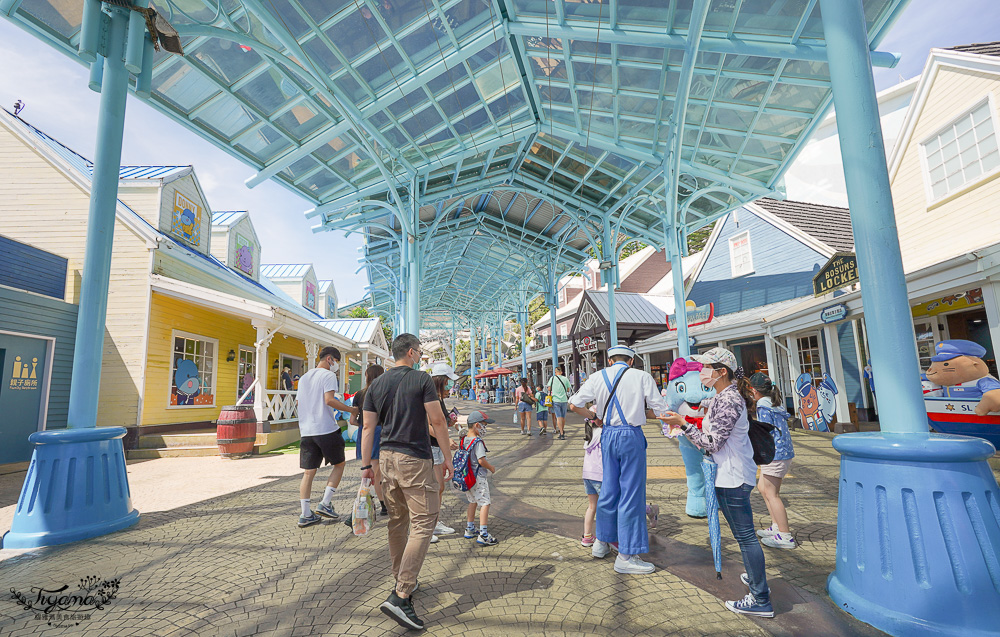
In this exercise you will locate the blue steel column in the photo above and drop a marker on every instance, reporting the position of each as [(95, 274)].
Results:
[(553, 301), (676, 254), (524, 343), (472, 360), (610, 253), (413, 287), (454, 344), (57, 504), (917, 531)]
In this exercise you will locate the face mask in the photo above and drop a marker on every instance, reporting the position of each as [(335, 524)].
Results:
[(705, 375), (449, 384), (335, 366)]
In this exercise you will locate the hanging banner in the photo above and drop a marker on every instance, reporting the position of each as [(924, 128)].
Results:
[(696, 315), (839, 272)]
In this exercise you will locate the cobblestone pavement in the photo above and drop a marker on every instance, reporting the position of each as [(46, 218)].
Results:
[(236, 564)]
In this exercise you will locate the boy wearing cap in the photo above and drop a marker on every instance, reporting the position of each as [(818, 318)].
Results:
[(480, 493), (621, 396)]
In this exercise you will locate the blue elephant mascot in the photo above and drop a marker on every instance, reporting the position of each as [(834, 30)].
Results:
[(685, 395)]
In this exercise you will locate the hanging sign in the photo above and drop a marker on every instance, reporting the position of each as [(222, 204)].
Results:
[(950, 303), (696, 315), (834, 313), (839, 272), (589, 344)]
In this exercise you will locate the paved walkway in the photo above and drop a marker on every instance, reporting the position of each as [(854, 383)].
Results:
[(236, 564)]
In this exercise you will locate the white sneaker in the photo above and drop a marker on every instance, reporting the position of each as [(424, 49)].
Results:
[(600, 549), (633, 565), (434, 539), (441, 529), (768, 532), (779, 541)]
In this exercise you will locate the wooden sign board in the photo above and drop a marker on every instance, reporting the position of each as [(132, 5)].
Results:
[(839, 272)]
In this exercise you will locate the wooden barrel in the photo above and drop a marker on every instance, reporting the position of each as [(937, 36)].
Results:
[(236, 431)]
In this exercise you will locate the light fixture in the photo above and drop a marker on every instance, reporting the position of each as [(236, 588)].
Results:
[(275, 364), (231, 356)]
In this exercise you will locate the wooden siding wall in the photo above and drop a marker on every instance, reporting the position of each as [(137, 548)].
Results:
[(960, 223), (224, 244), (36, 195), (187, 187), (168, 314), (33, 314), (649, 273), (849, 363), (31, 269), (143, 197), (783, 268)]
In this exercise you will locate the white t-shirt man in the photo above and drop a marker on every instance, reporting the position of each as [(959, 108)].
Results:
[(315, 416)]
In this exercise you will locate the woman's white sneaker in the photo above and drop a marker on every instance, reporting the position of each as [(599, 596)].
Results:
[(633, 565), (441, 529), (768, 532), (779, 541)]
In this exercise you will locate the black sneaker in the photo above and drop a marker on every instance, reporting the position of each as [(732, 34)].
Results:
[(384, 511), (402, 611)]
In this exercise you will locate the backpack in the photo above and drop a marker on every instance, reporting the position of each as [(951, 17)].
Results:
[(466, 465), (761, 440)]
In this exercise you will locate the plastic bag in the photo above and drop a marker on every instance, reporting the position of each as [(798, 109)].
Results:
[(363, 513), (516, 419)]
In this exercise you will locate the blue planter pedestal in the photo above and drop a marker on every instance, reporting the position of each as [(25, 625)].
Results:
[(76, 488), (918, 534)]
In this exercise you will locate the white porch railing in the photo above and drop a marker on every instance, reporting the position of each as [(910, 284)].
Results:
[(280, 405)]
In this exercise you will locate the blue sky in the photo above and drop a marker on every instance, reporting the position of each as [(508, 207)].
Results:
[(59, 102)]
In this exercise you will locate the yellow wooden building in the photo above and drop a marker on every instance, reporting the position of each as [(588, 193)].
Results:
[(191, 325)]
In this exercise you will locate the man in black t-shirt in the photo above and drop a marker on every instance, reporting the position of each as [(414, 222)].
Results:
[(403, 400)]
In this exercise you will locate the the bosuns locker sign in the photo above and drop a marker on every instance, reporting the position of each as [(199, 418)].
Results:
[(839, 272)]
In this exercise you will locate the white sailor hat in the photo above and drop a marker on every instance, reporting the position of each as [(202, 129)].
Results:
[(621, 350)]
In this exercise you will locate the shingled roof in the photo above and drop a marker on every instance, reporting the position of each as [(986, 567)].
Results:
[(828, 224), (982, 48)]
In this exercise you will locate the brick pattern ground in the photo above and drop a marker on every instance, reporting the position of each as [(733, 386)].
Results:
[(237, 564)]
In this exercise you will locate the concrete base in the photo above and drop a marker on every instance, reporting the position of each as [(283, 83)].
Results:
[(76, 488), (276, 439), (918, 534)]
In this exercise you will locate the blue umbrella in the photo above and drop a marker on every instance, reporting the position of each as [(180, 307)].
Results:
[(711, 469)]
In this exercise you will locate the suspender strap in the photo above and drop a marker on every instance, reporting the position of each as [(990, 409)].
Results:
[(612, 398)]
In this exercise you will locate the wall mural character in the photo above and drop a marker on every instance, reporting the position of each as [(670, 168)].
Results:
[(187, 383), (960, 395), (186, 219), (244, 255)]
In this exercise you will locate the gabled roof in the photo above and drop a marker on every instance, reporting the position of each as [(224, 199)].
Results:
[(982, 48), (357, 329), (284, 270), (324, 286), (830, 225), (86, 166), (228, 217)]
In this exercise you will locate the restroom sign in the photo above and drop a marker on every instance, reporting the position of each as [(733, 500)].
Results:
[(839, 272), (24, 374)]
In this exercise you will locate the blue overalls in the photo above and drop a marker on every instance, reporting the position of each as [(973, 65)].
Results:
[(621, 507)]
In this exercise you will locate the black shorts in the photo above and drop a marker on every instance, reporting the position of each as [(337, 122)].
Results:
[(313, 450)]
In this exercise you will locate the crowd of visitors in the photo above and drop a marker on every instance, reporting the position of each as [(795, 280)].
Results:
[(406, 447)]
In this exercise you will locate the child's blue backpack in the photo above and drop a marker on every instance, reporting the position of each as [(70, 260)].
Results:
[(466, 465)]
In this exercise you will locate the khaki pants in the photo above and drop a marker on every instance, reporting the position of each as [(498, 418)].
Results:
[(411, 495)]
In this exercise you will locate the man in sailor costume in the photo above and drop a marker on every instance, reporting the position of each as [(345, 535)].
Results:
[(621, 396)]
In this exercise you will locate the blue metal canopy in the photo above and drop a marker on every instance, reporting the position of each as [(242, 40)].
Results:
[(488, 144)]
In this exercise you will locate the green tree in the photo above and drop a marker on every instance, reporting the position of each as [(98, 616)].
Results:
[(462, 352), (698, 238)]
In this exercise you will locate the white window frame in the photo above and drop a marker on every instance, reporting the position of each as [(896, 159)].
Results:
[(925, 167), (174, 334), (732, 254), (239, 378), (819, 351)]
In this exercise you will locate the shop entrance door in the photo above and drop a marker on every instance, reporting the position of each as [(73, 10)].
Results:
[(24, 389), (752, 357)]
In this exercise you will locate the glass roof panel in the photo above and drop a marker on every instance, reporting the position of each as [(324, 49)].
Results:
[(329, 96)]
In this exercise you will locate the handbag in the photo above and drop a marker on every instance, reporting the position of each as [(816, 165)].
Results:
[(761, 440)]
